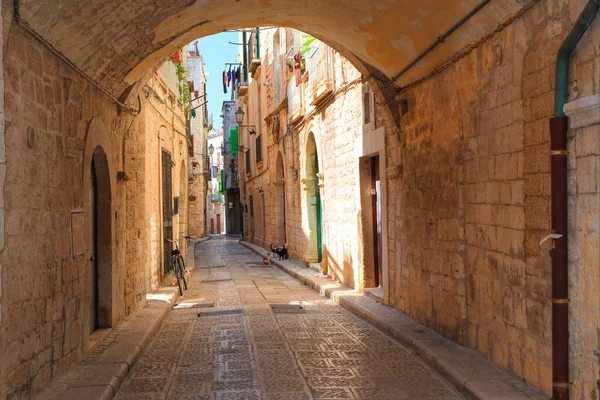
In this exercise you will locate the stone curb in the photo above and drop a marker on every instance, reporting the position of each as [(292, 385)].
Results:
[(104, 369), (466, 369)]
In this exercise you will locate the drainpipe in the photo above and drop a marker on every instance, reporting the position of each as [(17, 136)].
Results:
[(245, 54), (558, 156), (258, 43)]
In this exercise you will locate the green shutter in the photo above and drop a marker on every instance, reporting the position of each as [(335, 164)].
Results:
[(233, 140)]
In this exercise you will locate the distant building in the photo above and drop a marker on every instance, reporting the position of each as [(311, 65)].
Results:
[(215, 199), (199, 125)]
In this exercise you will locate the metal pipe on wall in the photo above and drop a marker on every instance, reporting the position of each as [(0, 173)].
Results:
[(558, 158)]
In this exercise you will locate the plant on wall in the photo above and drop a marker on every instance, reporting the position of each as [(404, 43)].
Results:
[(184, 89)]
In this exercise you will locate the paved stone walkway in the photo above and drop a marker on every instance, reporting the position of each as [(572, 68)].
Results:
[(243, 349)]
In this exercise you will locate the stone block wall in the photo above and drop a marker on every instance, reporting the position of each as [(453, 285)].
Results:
[(335, 126), (55, 120), (467, 214), (584, 215)]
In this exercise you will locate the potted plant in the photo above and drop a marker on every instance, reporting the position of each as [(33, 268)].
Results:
[(289, 65), (303, 65)]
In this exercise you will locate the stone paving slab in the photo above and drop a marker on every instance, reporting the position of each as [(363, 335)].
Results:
[(466, 369), (325, 352), (100, 374)]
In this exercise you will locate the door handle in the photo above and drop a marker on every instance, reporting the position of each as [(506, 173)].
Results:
[(92, 259)]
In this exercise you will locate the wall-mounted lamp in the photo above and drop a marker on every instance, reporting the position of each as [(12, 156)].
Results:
[(239, 117), (211, 149), (261, 191)]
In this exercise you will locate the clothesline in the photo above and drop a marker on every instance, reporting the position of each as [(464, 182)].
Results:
[(232, 77)]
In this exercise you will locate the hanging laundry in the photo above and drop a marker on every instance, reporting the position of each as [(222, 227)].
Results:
[(225, 82), (238, 75), (229, 76), (233, 80), (297, 68)]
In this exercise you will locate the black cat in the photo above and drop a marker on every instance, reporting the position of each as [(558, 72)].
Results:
[(280, 251)]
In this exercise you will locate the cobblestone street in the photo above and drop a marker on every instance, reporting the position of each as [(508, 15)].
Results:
[(241, 348)]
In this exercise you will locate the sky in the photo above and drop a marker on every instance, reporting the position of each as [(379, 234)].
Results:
[(217, 51)]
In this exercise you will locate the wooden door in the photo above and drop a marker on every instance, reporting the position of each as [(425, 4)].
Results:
[(218, 224), (93, 324), (167, 205), (376, 210)]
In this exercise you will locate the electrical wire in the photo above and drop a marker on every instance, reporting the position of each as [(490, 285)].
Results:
[(47, 45)]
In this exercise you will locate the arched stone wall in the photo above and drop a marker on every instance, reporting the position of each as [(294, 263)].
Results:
[(98, 149)]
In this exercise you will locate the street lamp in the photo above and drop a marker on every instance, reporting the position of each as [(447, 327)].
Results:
[(211, 149), (239, 117)]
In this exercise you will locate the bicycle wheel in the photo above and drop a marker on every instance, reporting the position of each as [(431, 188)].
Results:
[(182, 272), (179, 285), (177, 275)]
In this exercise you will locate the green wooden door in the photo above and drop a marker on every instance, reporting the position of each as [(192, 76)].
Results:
[(319, 220)]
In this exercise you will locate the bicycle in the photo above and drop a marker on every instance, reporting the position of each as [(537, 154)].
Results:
[(178, 266)]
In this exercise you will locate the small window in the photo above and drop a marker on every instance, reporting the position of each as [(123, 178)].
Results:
[(258, 149), (367, 107), (176, 205)]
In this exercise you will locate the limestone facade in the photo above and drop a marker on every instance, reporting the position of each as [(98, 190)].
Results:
[(471, 203), (199, 128), (58, 124), (465, 153), (215, 201), (467, 176)]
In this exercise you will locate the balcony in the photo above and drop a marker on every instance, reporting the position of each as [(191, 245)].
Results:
[(295, 101), (254, 52), (242, 89), (320, 75)]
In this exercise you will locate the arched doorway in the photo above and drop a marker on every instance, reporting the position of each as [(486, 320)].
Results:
[(280, 215), (100, 266), (315, 205)]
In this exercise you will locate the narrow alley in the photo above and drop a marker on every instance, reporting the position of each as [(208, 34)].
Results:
[(242, 349), (424, 176)]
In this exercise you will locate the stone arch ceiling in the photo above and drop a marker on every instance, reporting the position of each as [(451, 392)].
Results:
[(116, 42)]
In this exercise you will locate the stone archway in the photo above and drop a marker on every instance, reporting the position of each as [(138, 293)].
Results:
[(98, 154), (280, 202), (381, 37), (100, 266)]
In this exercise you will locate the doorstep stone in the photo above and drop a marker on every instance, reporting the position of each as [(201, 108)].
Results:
[(466, 369)]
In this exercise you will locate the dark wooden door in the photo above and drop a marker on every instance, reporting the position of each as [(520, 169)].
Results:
[(376, 209), (212, 226), (94, 250), (167, 204), (218, 224)]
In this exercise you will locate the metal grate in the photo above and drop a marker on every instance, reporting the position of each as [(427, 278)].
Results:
[(220, 313), (260, 266), (287, 309), (188, 306), (217, 280)]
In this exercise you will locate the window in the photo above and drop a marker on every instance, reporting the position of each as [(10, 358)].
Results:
[(248, 161), (176, 205), (367, 106), (258, 149), (277, 67)]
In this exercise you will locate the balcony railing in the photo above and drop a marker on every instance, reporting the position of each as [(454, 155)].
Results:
[(320, 74)]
